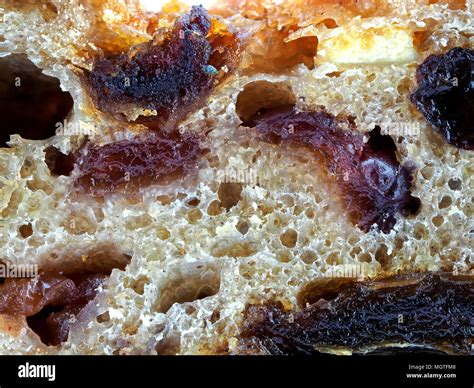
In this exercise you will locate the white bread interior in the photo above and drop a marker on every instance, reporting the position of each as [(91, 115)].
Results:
[(277, 235)]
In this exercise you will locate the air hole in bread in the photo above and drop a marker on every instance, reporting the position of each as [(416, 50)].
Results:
[(404, 86), (194, 202), (259, 95), (214, 161), (79, 222), (139, 221), (98, 258), (329, 23), (162, 80), (455, 184), (214, 208), (13, 204), (36, 184), (137, 284), (188, 282), (365, 257), (334, 74), (371, 77), (165, 200), (27, 168), (437, 220), (216, 316), (289, 238), (337, 312), (445, 202), (242, 226), (427, 172), (104, 317), (355, 251), (420, 232), (308, 256), (32, 104), (229, 194), (323, 288), (334, 258), (163, 233)]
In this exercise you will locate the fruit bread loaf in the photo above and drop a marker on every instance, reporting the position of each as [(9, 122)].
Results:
[(244, 177)]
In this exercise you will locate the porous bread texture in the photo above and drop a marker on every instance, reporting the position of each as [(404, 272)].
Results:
[(196, 255)]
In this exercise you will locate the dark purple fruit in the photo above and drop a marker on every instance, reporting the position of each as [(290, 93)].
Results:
[(373, 185), (445, 95), (431, 311)]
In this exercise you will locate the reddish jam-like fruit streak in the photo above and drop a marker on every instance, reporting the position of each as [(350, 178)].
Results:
[(445, 95), (171, 75), (129, 165), (432, 310), (373, 185), (50, 302)]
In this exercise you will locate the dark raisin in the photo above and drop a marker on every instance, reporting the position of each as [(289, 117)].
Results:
[(129, 165), (170, 75), (445, 95), (429, 310), (372, 183)]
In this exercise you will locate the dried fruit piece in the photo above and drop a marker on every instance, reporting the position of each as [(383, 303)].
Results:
[(432, 310), (170, 75), (445, 95), (53, 323), (29, 296), (269, 51), (373, 185), (129, 165), (50, 302)]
